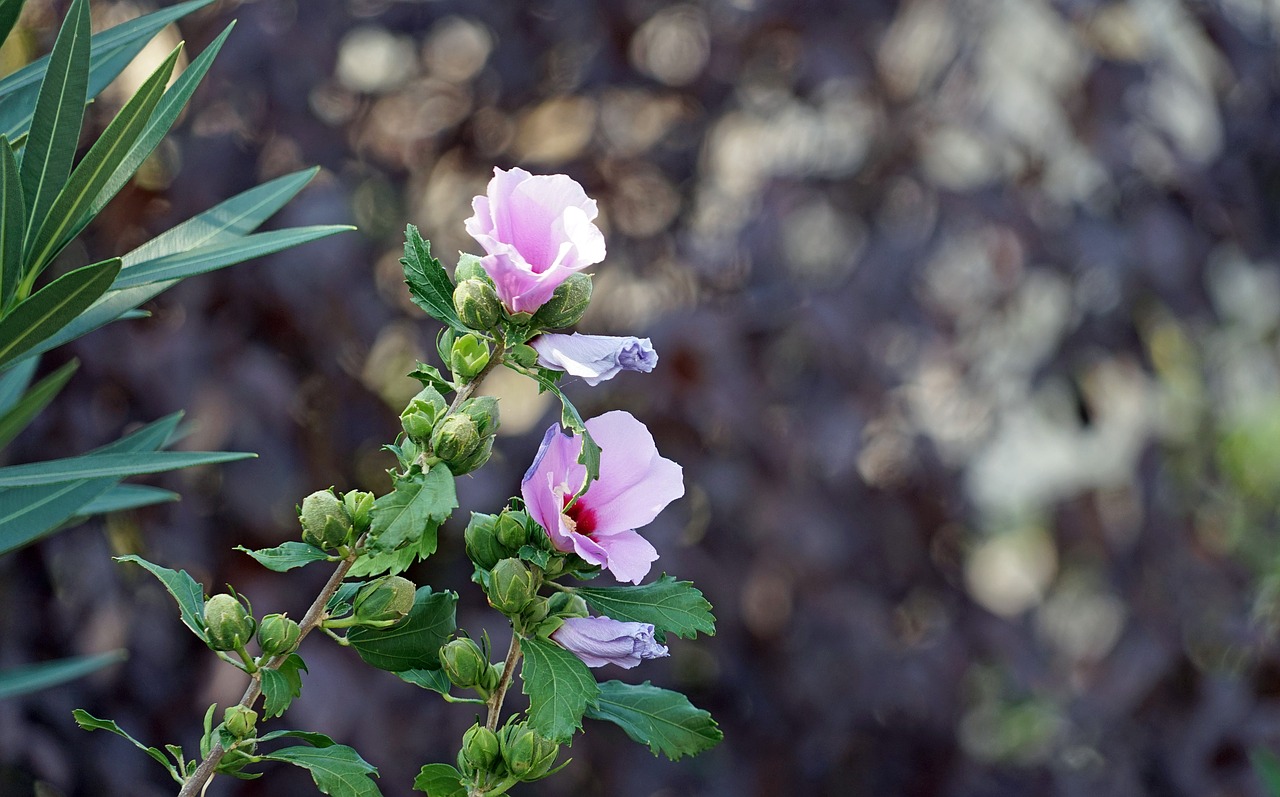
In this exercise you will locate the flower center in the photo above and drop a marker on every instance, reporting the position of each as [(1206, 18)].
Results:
[(579, 518)]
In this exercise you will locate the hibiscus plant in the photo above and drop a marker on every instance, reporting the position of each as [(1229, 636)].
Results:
[(591, 486)]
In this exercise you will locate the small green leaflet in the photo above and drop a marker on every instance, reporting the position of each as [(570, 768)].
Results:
[(91, 723), (429, 284), (33, 677), (440, 780), (184, 589), (340, 603), (1265, 764), (669, 605), (414, 643), (338, 770), (536, 556), (435, 680), (413, 510), (430, 376), (280, 686), (571, 420), (397, 561), (660, 718), (286, 556), (559, 686)]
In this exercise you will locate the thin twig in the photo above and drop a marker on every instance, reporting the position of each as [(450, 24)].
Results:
[(500, 691)]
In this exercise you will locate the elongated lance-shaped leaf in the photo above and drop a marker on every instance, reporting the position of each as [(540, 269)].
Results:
[(33, 677), (16, 418), (53, 307), (94, 466), (15, 381), (70, 209), (109, 52), (126, 496), (55, 126), (10, 10), (13, 224)]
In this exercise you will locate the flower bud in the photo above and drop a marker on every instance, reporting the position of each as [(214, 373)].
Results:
[(468, 356), (535, 612), (236, 759), (511, 586), (567, 305), (455, 437), (528, 756), (511, 529), (277, 635), (477, 304), (421, 413), (228, 624), (482, 543), (325, 522), (240, 721), (480, 747), (388, 598), (359, 506), (464, 663), (464, 465), (471, 267), (483, 411), (564, 604)]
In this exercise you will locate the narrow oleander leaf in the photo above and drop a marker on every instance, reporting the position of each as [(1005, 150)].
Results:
[(429, 285), (13, 224), (34, 677), (1267, 765), (286, 556), (559, 686), (280, 686), (671, 606), (572, 420), (414, 643), (89, 722), (413, 510), (184, 589), (16, 418), (435, 680), (53, 307), (69, 212), (126, 496), (55, 124), (440, 780), (15, 381), (10, 10), (93, 466), (337, 770), (664, 720)]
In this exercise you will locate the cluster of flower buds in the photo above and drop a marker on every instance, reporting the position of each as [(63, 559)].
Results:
[(491, 538), (229, 625), (463, 440), (329, 522), (467, 666), (515, 751)]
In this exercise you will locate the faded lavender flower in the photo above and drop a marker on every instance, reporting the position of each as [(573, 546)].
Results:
[(595, 358), (600, 640)]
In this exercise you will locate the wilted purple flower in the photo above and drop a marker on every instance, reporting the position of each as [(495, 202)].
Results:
[(599, 641), (595, 358), (634, 485), (537, 230)]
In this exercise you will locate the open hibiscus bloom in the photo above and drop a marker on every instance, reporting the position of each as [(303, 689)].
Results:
[(600, 526), (536, 231)]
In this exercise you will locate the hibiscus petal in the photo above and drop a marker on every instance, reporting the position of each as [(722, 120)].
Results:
[(635, 482), (555, 466), (630, 555), (595, 358)]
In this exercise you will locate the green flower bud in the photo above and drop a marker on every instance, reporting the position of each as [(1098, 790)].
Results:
[(277, 635), (236, 759), (480, 747), (528, 756), (536, 611), (325, 522), (388, 598), (483, 411), (455, 437), (481, 542), (472, 461), (477, 304), (471, 267), (564, 604), (512, 586), (359, 506), (511, 529), (228, 624), (464, 663), (468, 356), (567, 305), (421, 413), (240, 721)]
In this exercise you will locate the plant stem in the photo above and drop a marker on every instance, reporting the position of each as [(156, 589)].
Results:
[(500, 691)]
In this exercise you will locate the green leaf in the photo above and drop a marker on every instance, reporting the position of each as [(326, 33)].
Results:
[(411, 512), (15, 381), (53, 307), (90, 466), (429, 284), (55, 125), (559, 686), (660, 718), (184, 589), (14, 420), (340, 603), (34, 677), (337, 770), (126, 496), (280, 686), (430, 376), (570, 419), (669, 605), (1267, 765), (440, 780), (13, 224), (310, 737), (91, 723), (414, 643), (435, 680), (394, 562), (69, 212), (534, 555), (286, 556), (10, 10)]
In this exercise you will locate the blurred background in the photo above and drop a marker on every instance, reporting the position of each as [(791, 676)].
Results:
[(967, 314)]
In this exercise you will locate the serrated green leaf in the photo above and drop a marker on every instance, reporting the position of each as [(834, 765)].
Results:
[(669, 605), (440, 780), (414, 643), (664, 720), (34, 677), (91, 723), (184, 589), (435, 680), (535, 555), (55, 124), (559, 686), (69, 212), (337, 770), (310, 737), (430, 376), (411, 512), (397, 561), (13, 224), (280, 686), (429, 285), (16, 418), (53, 307), (10, 10), (286, 556), (126, 496), (570, 419)]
